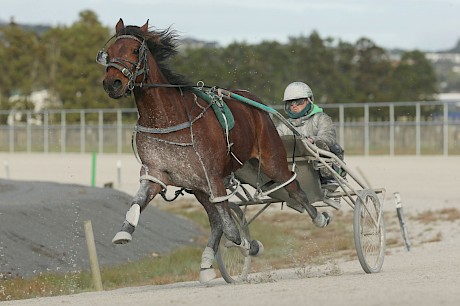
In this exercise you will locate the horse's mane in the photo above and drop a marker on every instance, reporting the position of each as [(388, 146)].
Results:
[(162, 44)]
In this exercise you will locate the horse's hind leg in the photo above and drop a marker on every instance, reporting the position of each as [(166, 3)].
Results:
[(221, 223), (296, 193), (278, 170), (207, 271), (147, 191)]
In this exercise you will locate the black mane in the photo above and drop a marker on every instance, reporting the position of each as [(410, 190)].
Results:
[(162, 44)]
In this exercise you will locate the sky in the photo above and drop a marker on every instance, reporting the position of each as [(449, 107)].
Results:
[(426, 25)]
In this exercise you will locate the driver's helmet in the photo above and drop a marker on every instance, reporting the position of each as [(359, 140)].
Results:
[(294, 91)]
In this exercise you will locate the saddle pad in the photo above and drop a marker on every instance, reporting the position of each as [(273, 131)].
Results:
[(223, 113)]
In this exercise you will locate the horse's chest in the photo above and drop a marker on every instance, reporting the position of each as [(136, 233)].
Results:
[(179, 163)]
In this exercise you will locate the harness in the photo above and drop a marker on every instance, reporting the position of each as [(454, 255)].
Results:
[(132, 70), (208, 97), (213, 97)]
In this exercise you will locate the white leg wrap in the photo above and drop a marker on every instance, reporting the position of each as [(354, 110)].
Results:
[(243, 247), (132, 216), (322, 219), (207, 272), (207, 258)]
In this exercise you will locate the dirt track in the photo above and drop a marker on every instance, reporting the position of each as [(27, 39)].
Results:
[(427, 275), (421, 277)]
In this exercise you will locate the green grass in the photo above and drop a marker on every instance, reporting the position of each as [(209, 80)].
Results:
[(178, 266)]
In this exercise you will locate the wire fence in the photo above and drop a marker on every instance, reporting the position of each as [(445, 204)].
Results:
[(393, 128)]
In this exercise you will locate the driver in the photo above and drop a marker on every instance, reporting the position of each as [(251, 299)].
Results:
[(310, 121)]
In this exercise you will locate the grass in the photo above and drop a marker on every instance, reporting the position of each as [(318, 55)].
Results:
[(291, 238), (176, 267), (290, 241), (446, 214)]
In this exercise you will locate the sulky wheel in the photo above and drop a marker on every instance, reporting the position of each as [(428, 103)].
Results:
[(233, 266), (369, 231)]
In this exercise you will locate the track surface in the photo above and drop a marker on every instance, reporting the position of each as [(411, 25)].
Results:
[(427, 275)]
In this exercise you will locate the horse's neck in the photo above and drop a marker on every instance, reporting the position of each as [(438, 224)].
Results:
[(160, 107)]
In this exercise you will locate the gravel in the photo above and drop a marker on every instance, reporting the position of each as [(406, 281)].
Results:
[(42, 228)]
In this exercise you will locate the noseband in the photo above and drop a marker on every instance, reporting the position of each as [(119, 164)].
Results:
[(131, 70), (121, 64)]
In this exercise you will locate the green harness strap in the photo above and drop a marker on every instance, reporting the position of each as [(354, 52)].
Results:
[(263, 107), (231, 122), (220, 108)]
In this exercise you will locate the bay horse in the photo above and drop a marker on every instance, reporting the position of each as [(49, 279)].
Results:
[(180, 141)]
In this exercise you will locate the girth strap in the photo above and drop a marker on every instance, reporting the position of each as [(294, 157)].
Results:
[(155, 180), (170, 129)]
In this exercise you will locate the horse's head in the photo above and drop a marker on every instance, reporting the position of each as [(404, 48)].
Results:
[(126, 60), (136, 56)]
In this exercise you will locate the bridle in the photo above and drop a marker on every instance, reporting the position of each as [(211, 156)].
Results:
[(137, 68), (131, 70)]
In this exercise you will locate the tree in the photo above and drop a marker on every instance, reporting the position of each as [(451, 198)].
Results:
[(200, 64), (62, 61), (273, 75), (74, 75), (373, 72), (414, 78), (21, 57), (343, 88)]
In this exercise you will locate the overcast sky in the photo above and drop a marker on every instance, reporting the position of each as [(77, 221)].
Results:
[(428, 25)]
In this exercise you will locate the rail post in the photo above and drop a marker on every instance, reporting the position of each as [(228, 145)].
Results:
[(96, 273), (402, 221), (6, 165), (445, 129), (93, 169), (119, 173)]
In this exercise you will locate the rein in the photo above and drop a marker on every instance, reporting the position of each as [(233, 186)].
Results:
[(133, 70)]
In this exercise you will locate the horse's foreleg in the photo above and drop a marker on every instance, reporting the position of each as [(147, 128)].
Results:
[(147, 191)]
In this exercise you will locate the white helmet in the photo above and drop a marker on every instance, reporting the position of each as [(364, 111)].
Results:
[(297, 90)]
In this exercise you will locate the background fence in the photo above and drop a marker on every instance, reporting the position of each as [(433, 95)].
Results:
[(411, 128)]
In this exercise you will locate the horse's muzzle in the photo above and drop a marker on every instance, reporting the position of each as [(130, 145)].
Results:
[(114, 88)]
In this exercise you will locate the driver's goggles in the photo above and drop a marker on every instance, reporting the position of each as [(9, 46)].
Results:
[(297, 102)]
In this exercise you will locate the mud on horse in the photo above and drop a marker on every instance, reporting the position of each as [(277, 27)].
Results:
[(180, 141)]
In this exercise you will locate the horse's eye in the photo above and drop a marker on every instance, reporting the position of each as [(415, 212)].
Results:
[(136, 51)]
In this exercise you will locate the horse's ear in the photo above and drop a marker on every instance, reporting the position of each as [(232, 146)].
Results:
[(145, 27), (120, 25)]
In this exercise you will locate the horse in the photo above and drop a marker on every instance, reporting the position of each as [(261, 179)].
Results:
[(180, 141)]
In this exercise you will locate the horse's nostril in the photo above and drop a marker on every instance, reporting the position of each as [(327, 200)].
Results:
[(117, 84)]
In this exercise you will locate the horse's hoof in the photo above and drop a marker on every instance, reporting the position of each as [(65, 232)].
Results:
[(256, 248), (243, 247), (207, 275), (122, 237), (322, 220)]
